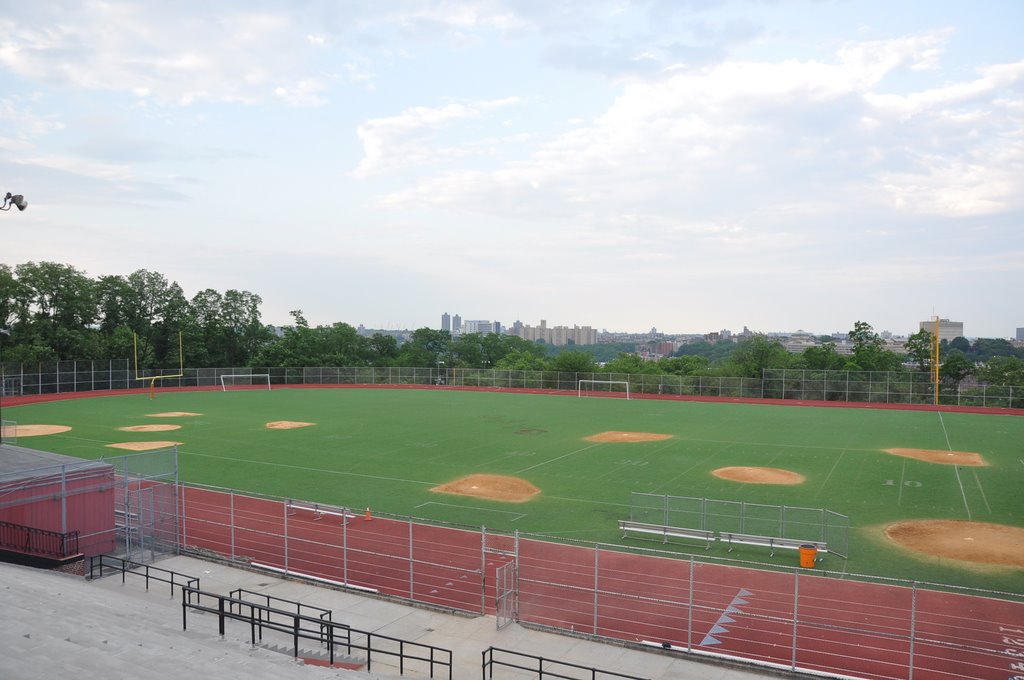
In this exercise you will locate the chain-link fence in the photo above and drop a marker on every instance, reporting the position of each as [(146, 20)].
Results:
[(783, 617), (844, 386)]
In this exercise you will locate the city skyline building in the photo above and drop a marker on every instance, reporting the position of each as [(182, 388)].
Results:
[(948, 330)]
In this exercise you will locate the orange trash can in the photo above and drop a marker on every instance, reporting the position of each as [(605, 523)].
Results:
[(807, 555)]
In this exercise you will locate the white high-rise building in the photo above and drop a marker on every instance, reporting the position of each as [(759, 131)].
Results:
[(948, 330)]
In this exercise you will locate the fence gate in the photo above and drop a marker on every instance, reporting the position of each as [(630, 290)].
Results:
[(505, 594), (146, 522)]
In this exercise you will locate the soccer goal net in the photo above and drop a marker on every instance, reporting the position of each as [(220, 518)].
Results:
[(245, 380), (590, 387)]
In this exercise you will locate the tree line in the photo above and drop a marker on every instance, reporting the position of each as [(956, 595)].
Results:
[(56, 312)]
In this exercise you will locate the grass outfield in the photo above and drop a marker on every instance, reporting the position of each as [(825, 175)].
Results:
[(386, 449)]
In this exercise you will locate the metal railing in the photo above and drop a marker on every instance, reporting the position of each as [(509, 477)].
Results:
[(38, 542), (106, 565), (331, 634), (542, 667)]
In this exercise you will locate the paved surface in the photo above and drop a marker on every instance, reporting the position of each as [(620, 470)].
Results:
[(54, 624)]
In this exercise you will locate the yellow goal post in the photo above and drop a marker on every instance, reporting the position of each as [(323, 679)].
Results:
[(153, 378)]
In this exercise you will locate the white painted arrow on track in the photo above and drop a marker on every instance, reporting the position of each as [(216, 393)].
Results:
[(719, 627)]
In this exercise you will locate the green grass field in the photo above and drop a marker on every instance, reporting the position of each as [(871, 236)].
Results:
[(386, 449)]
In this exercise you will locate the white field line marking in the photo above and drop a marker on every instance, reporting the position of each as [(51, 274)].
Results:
[(571, 453), (982, 490), (670, 482), (518, 515), (829, 475), (944, 432), (899, 495), (308, 469), (963, 494)]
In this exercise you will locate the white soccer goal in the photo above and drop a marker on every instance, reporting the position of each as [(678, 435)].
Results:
[(244, 380), (605, 386)]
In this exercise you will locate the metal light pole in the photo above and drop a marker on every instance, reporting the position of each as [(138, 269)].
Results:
[(3, 389), (18, 201)]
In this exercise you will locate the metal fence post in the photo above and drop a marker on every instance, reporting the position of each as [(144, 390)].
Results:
[(689, 611), (344, 545), (411, 564), (913, 627), (483, 569), (284, 511), (796, 597), (231, 510), (597, 553)]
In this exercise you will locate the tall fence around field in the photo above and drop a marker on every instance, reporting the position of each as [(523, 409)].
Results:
[(774, 521), (126, 504), (884, 387), (813, 621)]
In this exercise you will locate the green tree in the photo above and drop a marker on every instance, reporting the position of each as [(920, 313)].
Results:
[(919, 348), (1002, 370), (630, 364), (573, 361), (753, 355), (426, 348), (955, 368), (522, 360), (823, 357), (683, 365), (869, 353), (57, 308), (383, 349)]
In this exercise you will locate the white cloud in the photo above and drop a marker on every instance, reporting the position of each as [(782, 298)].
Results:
[(212, 54), (407, 138), (735, 140)]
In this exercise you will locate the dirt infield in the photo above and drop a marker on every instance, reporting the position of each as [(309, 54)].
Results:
[(759, 475), (942, 457), (143, 446), (978, 542), (39, 430), (149, 428), (173, 414), (626, 437), (286, 424), (491, 487)]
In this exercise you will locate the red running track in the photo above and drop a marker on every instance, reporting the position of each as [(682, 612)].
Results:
[(796, 620)]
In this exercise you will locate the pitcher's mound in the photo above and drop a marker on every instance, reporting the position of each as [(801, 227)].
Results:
[(944, 457), (143, 446), (979, 542), (626, 437), (286, 424), (38, 430), (759, 475), (491, 487), (149, 428)]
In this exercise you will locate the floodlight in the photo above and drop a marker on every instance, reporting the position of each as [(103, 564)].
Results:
[(16, 200)]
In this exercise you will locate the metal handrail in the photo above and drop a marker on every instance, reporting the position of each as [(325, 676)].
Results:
[(300, 626), (543, 667), (99, 563)]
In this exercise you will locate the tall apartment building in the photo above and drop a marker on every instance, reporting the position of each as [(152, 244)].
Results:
[(558, 335), (446, 322), (948, 330), (456, 324), (1020, 334), (479, 326)]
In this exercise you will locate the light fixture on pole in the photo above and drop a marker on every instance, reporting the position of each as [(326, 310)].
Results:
[(16, 200), (3, 390)]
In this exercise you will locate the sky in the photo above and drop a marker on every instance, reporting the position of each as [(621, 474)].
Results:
[(688, 165)]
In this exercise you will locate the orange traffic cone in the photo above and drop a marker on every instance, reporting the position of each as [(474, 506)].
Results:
[(367, 517)]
